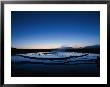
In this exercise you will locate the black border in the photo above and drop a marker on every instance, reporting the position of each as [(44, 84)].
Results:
[(45, 2)]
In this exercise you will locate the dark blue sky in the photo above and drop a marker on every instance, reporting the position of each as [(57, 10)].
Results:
[(51, 29)]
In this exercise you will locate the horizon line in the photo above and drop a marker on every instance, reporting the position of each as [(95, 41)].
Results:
[(56, 47)]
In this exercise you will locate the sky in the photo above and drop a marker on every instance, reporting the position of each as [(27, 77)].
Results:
[(53, 29)]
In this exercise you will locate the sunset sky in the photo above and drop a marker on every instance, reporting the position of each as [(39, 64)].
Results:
[(53, 29)]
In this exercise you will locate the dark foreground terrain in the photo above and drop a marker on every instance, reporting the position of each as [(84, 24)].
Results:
[(40, 70)]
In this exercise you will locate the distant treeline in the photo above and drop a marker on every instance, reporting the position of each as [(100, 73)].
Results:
[(80, 50)]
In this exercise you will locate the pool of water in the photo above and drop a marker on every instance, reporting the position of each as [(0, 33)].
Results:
[(27, 66)]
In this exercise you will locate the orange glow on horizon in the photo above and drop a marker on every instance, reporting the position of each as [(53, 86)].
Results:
[(48, 46), (40, 47)]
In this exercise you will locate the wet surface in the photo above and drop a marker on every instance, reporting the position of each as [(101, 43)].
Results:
[(35, 65)]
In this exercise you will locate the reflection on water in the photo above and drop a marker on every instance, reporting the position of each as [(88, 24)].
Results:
[(55, 64)]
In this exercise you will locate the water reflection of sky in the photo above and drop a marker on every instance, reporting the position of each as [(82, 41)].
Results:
[(81, 66), (40, 58)]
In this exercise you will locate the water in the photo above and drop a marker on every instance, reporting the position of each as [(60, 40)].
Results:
[(35, 65)]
